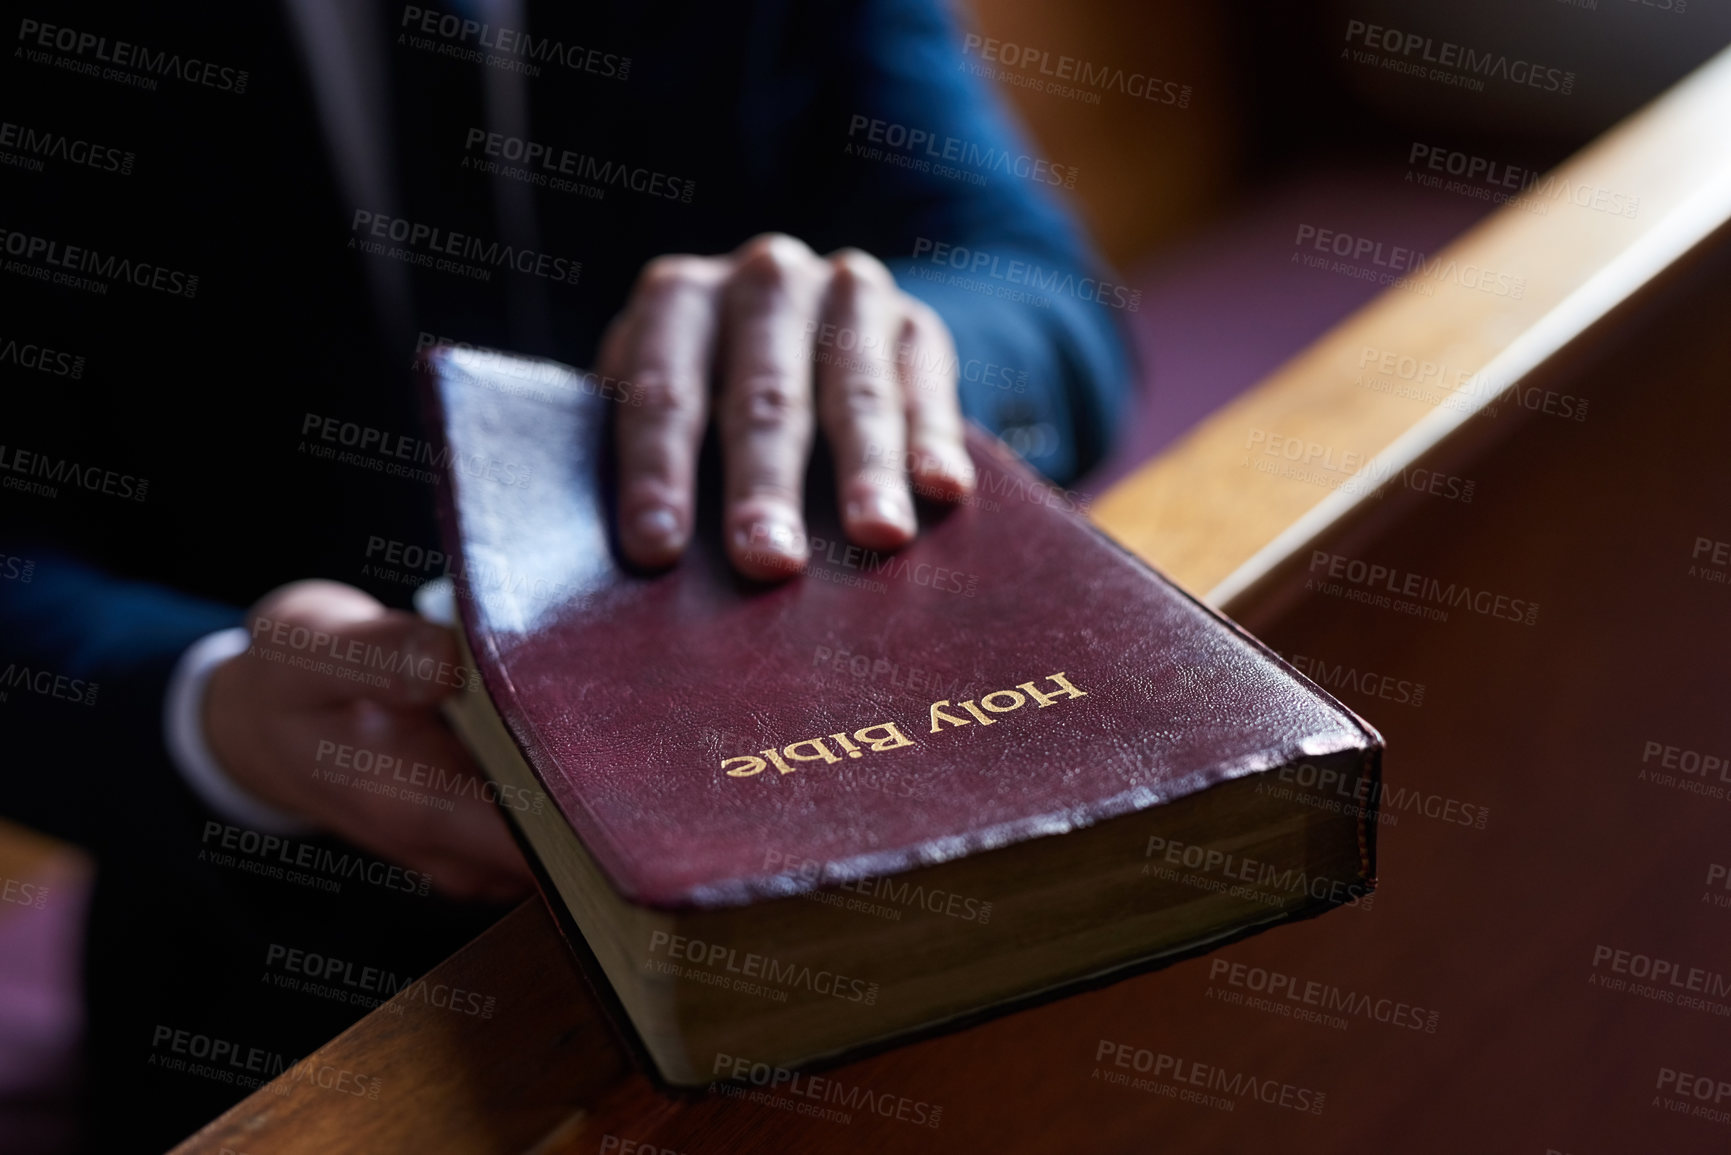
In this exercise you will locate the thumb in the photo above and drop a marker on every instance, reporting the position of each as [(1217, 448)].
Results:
[(342, 644)]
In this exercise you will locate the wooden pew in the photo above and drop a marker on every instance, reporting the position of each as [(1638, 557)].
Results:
[(1531, 832)]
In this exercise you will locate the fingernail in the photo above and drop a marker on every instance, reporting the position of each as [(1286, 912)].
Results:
[(657, 524), (892, 509), (956, 467), (956, 472), (775, 535)]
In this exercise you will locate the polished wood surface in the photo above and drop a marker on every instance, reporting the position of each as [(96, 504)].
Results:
[(449, 1081), (1494, 928), (1202, 512), (26, 854)]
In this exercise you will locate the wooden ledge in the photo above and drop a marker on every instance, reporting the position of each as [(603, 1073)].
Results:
[(1209, 519)]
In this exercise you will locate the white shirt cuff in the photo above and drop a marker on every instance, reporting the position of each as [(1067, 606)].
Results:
[(183, 728)]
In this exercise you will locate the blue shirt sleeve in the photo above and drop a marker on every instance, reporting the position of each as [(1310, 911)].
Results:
[(913, 158), (85, 659)]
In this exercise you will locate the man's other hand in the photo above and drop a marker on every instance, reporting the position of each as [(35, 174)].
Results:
[(787, 335), (338, 686)]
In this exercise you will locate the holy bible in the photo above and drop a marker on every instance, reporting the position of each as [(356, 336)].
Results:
[(891, 795)]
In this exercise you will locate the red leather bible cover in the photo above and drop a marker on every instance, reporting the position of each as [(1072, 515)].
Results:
[(630, 692)]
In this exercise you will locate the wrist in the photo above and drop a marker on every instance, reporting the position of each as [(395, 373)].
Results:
[(209, 735)]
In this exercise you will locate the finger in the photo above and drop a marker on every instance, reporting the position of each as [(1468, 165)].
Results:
[(477, 856), (322, 643), (457, 861), (478, 829), (769, 305), (663, 347), (463, 881), (432, 802), (859, 401), (938, 456)]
